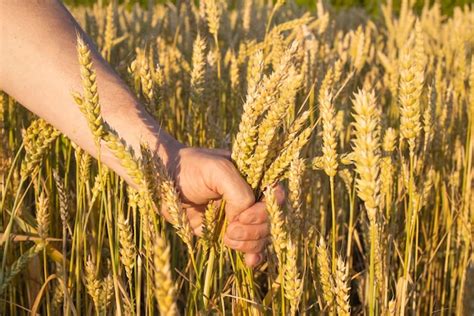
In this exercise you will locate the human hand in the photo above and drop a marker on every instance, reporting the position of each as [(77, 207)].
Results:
[(204, 175)]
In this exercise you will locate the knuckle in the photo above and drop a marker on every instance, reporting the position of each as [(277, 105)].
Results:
[(232, 243), (239, 245), (248, 217), (227, 169), (225, 164), (241, 235), (247, 247), (244, 234), (280, 194), (198, 231), (258, 233), (237, 232), (263, 214), (256, 247), (248, 200)]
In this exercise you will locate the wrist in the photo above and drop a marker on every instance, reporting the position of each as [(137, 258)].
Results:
[(164, 146), (137, 128)]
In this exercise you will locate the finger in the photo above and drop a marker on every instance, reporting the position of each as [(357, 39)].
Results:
[(280, 194), (198, 231), (224, 153), (239, 232), (195, 219), (227, 182), (256, 214), (253, 259), (248, 246)]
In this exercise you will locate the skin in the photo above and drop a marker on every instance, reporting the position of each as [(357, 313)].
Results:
[(40, 69)]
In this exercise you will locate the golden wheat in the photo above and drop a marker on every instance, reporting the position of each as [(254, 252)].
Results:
[(367, 123)]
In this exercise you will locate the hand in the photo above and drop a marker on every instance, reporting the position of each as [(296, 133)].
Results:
[(204, 175)]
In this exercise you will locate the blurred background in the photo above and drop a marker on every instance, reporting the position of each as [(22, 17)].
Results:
[(371, 6)]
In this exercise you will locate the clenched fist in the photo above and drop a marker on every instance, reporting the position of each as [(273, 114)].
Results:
[(204, 175)]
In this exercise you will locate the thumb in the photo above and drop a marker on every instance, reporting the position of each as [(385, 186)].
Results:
[(228, 183)]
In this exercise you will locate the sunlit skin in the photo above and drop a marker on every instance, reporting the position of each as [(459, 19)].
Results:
[(39, 68)]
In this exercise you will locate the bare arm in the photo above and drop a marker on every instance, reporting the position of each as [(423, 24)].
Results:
[(39, 68)]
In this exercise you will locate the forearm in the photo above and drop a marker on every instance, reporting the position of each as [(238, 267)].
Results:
[(39, 67)]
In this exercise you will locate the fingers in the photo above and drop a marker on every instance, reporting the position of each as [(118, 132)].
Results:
[(224, 153), (247, 246), (257, 214), (280, 194), (226, 180), (253, 259), (247, 238), (195, 219), (239, 232), (250, 232)]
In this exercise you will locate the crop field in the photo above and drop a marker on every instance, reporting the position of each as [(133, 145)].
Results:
[(368, 124)]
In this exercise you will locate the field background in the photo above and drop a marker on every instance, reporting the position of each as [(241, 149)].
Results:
[(367, 120), (371, 6)]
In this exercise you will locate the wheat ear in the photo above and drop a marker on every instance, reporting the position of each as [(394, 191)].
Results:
[(341, 289), (18, 266), (165, 292), (325, 277), (43, 216), (366, 150), (93, 285), (269, 127), (281, 163), (277, 224), (38, 137), (90, 105), (127, 245), (328, 118), (411, 86), (293, 284)]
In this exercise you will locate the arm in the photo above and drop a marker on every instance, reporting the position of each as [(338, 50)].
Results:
[(39, 68)]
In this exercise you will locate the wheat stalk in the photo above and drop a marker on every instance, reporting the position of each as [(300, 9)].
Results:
[(269, 127), (43, 216), (366, 149), (293, 284), (110, 32), (258, 100), (295, 194), (411, 85), (170, 198), (325, 277), (90, 105), (106, 293), (209, 224), (277, 224), (213, 15), (127, 245), (328, 120), (18, 266), (38, 137), (281, 163), (198, 72), (163, 283), (341, 289), (92, 284)]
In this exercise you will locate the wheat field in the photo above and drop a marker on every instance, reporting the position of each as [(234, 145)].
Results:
[(366, 122)]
